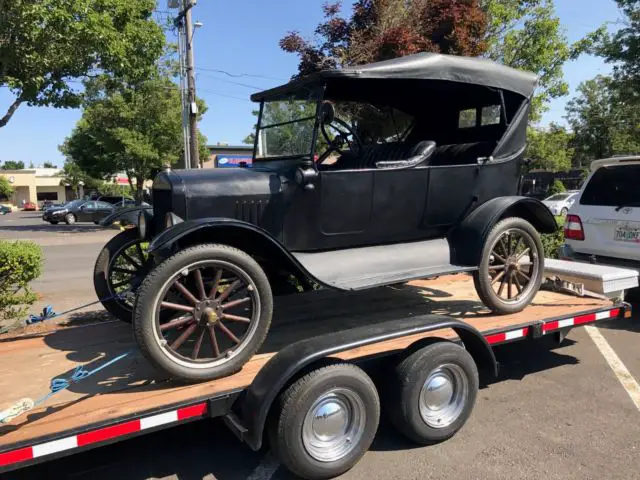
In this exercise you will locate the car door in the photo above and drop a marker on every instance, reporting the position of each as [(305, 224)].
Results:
[(85, 212), (102, 209)]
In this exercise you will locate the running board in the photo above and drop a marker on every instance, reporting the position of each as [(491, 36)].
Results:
[(367, 267)]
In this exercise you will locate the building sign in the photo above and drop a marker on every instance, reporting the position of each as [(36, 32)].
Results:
[(230, 161)]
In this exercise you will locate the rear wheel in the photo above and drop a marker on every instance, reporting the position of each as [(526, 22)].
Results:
[(432, 392), (203, 312), (511, 268), (120, 267), (325, 421), (564, 211)]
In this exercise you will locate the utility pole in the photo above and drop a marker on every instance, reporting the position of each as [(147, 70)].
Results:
[(187, 72), (191, 85)]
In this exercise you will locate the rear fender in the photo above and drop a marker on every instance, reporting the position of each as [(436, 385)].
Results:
[(467, 239)]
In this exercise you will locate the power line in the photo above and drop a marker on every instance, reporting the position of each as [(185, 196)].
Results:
[(226, 95), (246, 85), (239, 75)]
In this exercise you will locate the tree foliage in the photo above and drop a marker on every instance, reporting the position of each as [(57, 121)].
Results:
[(48, 165), (384, 29), (6, 190), (605, 121), (47, 44), (528, 35), (550, 148), (132, 129), (13, 165)]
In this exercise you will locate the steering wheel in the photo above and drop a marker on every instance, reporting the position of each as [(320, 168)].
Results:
[(330, 120)]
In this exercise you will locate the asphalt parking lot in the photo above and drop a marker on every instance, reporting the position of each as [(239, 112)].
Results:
[(556, 412)]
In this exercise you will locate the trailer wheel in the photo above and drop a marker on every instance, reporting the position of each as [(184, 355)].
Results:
[(432, 393), (511, 267), (325, 421), (202, 313)]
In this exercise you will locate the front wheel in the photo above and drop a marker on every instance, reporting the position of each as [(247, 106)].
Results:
[(511, 267), (70, 219), (203, 312), (54, 222)]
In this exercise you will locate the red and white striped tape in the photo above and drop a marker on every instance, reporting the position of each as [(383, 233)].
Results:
[(102, 434), (552, 326)]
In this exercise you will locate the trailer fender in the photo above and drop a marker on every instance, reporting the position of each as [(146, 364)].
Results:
[(467, 239), (286, 364), (128, 215)]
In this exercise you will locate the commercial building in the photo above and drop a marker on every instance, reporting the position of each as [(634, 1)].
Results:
[(225, 156), (36, 185)]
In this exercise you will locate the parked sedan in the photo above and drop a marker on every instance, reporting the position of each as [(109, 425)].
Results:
[(560, 203), (78, 211)]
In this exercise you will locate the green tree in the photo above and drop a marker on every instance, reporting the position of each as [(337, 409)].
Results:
[(48, 165), (557, 187), (6, 190), (47, 44), (549, 148), (13, 165), (73, 176), (528, 35), (135, 129)]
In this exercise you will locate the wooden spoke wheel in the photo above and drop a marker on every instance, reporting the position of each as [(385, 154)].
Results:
[(202, 313), (512, 266), (120, 268)]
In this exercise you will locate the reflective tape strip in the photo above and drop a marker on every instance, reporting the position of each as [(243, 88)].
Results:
[(580, 320), (506, 336), (102, 434)]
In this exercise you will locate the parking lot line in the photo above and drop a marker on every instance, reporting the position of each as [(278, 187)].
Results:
[(626, 379)]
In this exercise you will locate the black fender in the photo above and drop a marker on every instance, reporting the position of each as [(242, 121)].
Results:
[(237, 233), (467, 238), (289, 361), (128, 214)]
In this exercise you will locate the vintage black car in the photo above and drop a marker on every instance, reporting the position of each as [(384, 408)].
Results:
[(362, 177)]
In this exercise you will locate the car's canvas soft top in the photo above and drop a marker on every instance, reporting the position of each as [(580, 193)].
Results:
[(423, 66)]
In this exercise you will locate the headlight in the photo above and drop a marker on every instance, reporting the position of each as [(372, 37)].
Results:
[(171, 219), (142, 225)]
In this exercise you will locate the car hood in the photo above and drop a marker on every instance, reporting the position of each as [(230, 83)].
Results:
[(212, 192)]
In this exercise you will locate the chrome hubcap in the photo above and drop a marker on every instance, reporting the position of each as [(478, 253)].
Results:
[(333, 425), (443, 396)]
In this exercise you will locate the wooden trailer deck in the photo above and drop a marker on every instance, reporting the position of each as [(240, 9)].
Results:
[(29, 363)]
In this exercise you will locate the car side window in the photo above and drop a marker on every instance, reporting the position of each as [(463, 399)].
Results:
[(102, 205), (467, 118), (89, 205)]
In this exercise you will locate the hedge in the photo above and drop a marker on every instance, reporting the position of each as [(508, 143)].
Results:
[(552, 241), (20, 263)]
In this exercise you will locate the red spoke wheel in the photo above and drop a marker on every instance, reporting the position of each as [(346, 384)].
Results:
[(203, 312), (120, 267), (512, 266)]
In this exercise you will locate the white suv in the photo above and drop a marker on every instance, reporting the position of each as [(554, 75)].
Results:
[(603, 224)]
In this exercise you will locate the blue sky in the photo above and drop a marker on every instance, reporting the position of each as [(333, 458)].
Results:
[(241, 37)]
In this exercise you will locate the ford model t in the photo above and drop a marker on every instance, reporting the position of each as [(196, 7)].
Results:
[(362, 177)]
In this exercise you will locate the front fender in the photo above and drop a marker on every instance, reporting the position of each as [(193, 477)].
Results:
[(128, 214), (467, 239)]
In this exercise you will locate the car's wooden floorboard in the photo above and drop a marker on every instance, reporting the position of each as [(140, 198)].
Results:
[(28, 364)]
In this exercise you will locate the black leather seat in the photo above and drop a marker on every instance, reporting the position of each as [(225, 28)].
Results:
[(371, 154), (461, 153)]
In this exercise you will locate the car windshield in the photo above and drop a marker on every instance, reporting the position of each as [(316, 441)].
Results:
[(286, 128), (613, 186)]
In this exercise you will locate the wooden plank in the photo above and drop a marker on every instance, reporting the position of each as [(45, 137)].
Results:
[(28, 364)]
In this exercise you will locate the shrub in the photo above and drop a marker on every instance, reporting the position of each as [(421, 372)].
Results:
[(20, 263), (552, 241), (557, 187)]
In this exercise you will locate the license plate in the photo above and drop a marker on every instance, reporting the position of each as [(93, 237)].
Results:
[(627, 232)]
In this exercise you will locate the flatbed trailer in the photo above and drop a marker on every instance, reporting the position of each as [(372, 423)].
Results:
[(129, 399)]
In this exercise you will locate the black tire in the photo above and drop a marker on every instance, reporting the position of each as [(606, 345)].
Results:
[(69, 219), (146, 324), (482, 278), (297, 401), (404, 393), (120, 309), (54, 222)]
